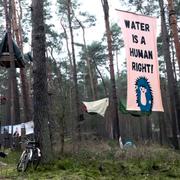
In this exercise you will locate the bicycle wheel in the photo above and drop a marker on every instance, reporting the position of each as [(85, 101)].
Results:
[(35, 159), (35, 163), (23, 162)]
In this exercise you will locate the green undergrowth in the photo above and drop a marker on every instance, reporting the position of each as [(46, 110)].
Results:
[(151, 162)]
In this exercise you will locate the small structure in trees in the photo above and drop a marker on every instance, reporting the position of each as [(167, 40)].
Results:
[(5, 59), (11, 58)]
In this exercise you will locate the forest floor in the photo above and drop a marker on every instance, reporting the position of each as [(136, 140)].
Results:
[(99, 160)]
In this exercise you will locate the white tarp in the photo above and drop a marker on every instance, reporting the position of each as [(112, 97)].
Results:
[(98, 106)]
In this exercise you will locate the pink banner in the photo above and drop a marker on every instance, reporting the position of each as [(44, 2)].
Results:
[(143, 85)]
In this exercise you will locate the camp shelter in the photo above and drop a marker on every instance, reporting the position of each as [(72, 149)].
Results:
[(122, 109), (5, 56)]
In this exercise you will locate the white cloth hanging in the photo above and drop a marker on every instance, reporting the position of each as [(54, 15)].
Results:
[(98, 106)]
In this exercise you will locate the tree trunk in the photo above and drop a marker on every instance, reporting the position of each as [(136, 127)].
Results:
[(172, 88), (113, 98), (174, 28), (103, 82), (16, 100), (14, 110), (76, 92), (141, 128), (88, 62), (164, 117), (148, 128), (57, 127), (40, 88), (173, 59), (163, 132), (8, 94), (71, 79), (173, 25), (117, 64), (25, 89), (68, 50)]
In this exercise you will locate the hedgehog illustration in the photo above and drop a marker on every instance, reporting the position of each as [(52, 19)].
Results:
[(144, 94)]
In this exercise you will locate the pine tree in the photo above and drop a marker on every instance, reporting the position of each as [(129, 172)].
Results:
[(40, 89)]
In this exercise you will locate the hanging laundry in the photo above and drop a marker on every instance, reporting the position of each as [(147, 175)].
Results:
[(29, 126), (17, 130)]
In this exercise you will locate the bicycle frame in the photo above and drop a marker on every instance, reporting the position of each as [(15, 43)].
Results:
[(30, 151), (39, 152), (31, 154)]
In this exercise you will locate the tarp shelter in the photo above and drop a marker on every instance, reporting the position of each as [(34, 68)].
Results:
[(98, 106), (28, 57), (5, 57), (122, 108)]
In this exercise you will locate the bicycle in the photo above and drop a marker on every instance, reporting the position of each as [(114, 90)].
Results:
[(31, 155)]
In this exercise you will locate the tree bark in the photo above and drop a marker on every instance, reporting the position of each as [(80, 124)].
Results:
[(24, 83), (68, 50), (117, 64), (88, 62), (57, 126), (113, 98), (172, 88), (163, 132), (40, 88), (71, 79), (103, 82), (148, 128), (173, 25), (12, 72), (76, 93)]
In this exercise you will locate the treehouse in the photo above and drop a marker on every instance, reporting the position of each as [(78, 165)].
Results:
[(5, 60)]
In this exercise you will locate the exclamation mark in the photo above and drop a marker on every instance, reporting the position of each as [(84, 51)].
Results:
[(151, 68)]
